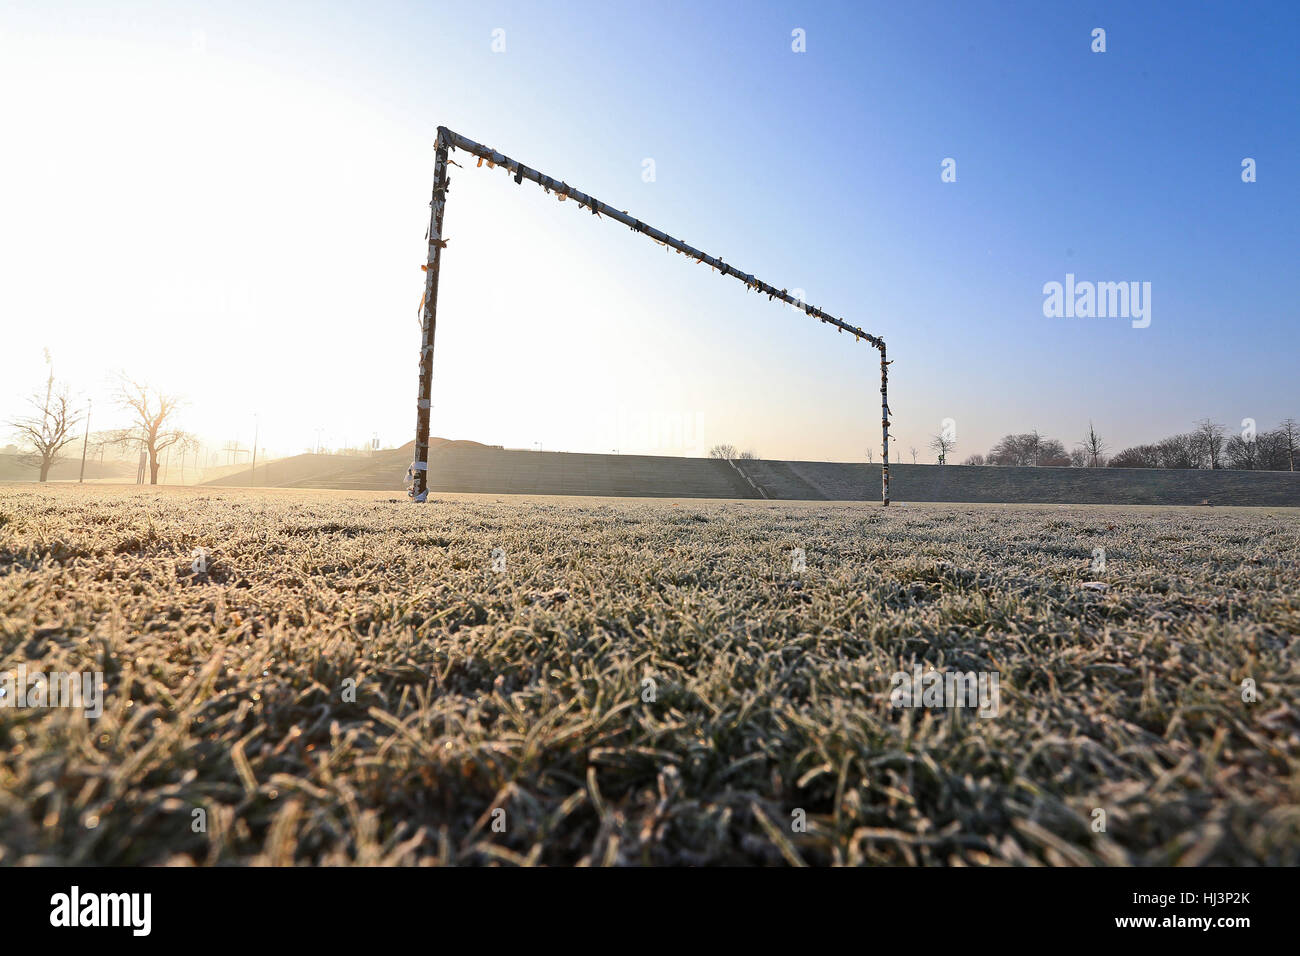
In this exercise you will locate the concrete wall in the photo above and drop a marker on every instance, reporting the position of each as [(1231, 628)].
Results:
[(470, 468)]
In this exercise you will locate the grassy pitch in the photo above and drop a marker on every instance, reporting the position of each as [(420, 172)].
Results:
[(353, 679)]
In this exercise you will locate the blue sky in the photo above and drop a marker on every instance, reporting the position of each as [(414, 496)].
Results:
[(230, 200)]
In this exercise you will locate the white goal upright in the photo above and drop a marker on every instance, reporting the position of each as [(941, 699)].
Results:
[(418, 474)]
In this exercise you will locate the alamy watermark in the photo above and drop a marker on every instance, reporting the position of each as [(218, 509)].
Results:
[(1100, 300), (78, 689), (973, 689), (130, 910)]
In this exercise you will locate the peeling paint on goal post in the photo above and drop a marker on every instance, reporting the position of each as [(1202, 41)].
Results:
[(418, 473)]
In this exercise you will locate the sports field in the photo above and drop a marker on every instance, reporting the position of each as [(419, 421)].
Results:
[(348, 678)]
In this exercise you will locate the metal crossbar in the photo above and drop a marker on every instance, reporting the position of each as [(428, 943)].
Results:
[(449, 140)]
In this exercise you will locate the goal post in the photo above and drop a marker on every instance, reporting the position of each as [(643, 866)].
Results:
[(418, 473)]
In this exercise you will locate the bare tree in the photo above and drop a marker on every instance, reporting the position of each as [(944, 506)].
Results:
[(1139, 456), (748, 455), (1028, 449), (1051, 453), (725, 452), (1010, 451), (913, 451), (1180, 451), (1242, 453), (1093, 447), (1078, 458), (152, 413), (1016, 450), (1289, 431), (1033, 444), (50, 427), (1271, 451), (974, 460), (942, 444), (1209, 436)]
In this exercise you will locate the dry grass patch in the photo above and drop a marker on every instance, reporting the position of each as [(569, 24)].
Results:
[(522, 690)]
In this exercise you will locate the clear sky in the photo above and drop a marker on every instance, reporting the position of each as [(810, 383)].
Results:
[(229, 200)]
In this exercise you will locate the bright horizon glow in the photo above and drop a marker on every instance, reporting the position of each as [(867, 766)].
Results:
[(230, 205)]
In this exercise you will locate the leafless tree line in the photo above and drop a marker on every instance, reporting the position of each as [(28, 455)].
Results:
[(729, 453), (1207, 446), (50, 424), (1034, 449)]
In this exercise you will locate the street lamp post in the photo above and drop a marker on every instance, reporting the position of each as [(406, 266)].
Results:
[(252, 472), (85, 441)]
